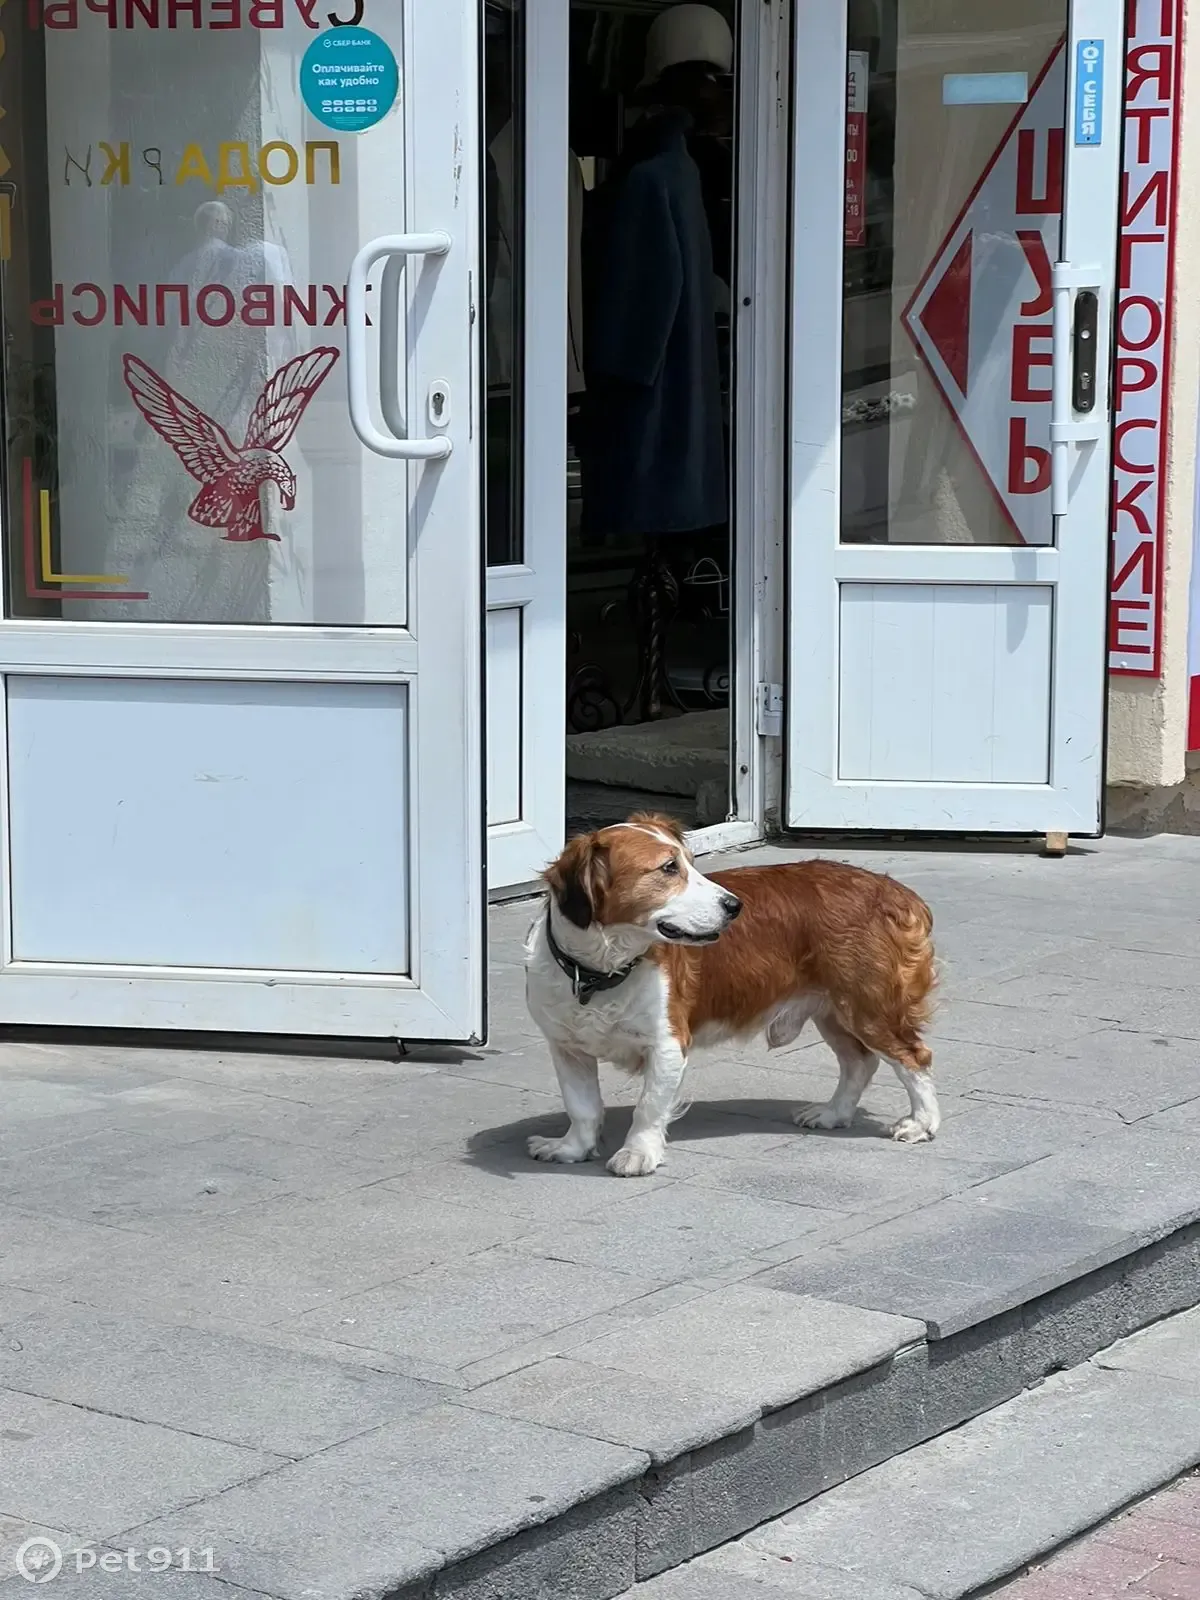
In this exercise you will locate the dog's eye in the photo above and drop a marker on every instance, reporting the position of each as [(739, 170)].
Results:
[(671, 868)]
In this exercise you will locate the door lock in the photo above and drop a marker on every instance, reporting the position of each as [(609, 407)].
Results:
[(1084, 341), (439, 404)]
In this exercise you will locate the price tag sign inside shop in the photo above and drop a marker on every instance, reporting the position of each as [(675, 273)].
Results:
[(858, 77), (349, 79)]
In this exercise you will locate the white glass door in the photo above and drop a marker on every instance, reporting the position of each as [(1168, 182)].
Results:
[(950, 472), (242, 784)]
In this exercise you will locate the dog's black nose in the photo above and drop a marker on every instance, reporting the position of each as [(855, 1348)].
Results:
[(731, 905)]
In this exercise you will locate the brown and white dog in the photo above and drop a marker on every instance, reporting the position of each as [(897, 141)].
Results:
[(638, 957)]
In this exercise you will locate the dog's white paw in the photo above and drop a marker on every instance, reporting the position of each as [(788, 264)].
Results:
[(909, 1131), (566, 1149), (820, 1117), (633, 1163)]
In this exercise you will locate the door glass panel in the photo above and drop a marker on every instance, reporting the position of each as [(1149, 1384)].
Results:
[(179, 447), (954, 172), (504, 231)]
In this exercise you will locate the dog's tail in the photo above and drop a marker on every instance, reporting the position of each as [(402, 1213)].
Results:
[(910, 925)]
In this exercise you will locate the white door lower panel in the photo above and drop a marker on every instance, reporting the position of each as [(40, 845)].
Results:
[(213, 858), (945, 683)]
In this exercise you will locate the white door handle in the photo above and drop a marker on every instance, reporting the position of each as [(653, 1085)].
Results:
[(1067, 427), (397, 247)]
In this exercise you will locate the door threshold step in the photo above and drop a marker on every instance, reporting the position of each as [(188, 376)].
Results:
[(958, 1515), (701, 1467)]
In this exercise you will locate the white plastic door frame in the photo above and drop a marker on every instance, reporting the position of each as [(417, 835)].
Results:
[(1073, 568), (526, 602)]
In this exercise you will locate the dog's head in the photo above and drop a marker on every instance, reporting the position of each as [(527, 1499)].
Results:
[(639, 876)]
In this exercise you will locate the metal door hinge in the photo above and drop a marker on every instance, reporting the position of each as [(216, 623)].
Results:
[(770, 711)]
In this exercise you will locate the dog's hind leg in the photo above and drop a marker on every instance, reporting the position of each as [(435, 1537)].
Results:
[(925, 1117), (579, 1080), (856, 1067)]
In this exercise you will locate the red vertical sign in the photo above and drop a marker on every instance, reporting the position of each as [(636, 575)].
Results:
[(858, 68), (1145, 318)]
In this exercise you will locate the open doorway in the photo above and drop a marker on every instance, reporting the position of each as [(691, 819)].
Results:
[(650, 385)]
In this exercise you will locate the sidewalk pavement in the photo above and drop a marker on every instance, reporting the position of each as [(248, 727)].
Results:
[(326, 1316), (1150, 1553)]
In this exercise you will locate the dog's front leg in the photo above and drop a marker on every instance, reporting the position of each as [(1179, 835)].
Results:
[(579, 1080), (662, 1079)]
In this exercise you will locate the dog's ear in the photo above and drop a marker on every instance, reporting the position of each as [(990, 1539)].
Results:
[(578, 880), (654, 819)]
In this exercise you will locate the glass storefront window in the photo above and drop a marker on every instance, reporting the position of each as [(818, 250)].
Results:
[(953, 216), (182, 221)]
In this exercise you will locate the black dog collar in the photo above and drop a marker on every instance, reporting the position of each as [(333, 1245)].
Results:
[(586, 981)]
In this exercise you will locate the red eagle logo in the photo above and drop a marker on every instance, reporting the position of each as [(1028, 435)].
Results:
[(229, 478)]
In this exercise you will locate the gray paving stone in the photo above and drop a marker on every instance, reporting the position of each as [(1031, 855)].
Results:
[(1118, 1071), (660, 1416), (47, 1133), (396, 1505), (774, 1081), (755, 1344), (1174, 1012), (40, 1252), (980, 1132), (839, 1173), (952, 1265), (404, 1113), (505, 1179), (922, 1392), (372, 1236), (125, 1179), (971, 951), (14, 1531), (1113, 964), (1175, 935), (1182, 1118), (730, 1128), (1141, 1184), (588, 1554), (14, 1305), (1014, 1483), (1012, 1026), (738, 1481), (201, 1271), (1171, 1350), (666, 1525), (92, 1583), (64, 1467), (749, 1575), (463, 1313), (675, 1232), (441, 1108), (206, 1384), (1070, 1324), (74, 1072), (306, 1079), (520, 1061)]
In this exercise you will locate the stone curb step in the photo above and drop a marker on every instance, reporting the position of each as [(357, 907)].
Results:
[(682, 1506), (957, 1515), (581, 1477)]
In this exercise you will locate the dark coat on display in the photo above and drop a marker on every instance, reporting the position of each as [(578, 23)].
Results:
[(654, 458)]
